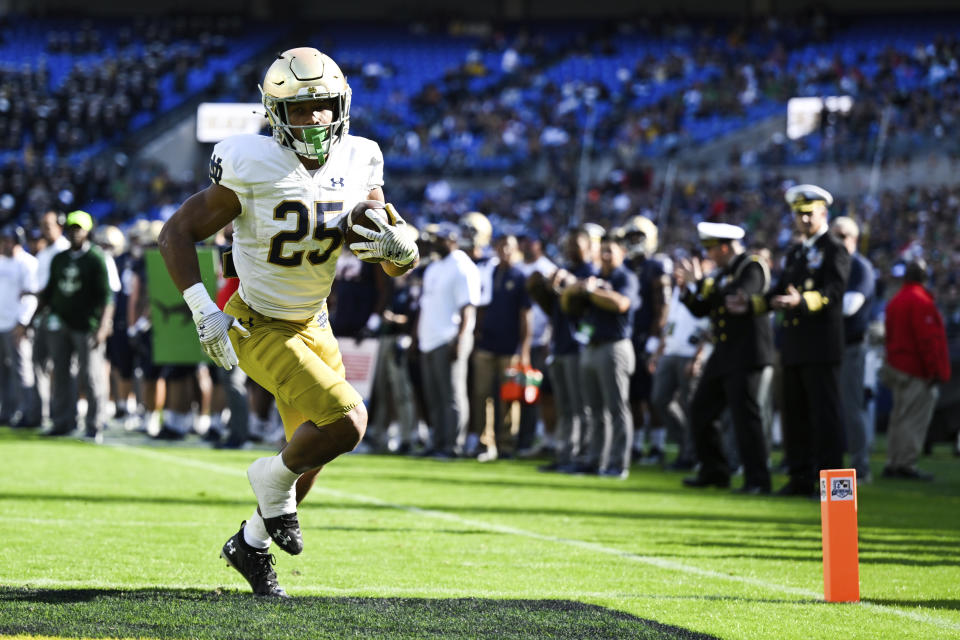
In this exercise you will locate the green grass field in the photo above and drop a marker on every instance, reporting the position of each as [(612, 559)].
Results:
[(123, 541)]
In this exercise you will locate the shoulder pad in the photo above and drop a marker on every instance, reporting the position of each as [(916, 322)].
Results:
[(241, 160)]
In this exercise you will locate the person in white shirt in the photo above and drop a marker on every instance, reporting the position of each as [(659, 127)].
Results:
[(51, 227), (19, 402), (451, 293)]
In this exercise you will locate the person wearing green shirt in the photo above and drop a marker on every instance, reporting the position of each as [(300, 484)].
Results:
[(80, 305)]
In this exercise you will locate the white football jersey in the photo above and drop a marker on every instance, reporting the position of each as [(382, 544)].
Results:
[(287, 238)]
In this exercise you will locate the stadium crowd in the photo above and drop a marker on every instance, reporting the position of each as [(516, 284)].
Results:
[(171, 402), (534, 118)]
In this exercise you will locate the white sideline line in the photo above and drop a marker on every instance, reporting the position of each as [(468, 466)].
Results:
[(654, 561)]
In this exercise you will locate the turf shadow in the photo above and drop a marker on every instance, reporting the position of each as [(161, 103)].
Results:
[(895, 552), (196, 500), (933, 603), (815, 556), (181, 613), (391, 530)]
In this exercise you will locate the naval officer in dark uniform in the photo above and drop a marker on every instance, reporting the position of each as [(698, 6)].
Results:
[(809, 297), (743, 347)]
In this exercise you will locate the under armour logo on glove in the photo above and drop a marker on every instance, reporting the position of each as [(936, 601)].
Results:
[(212, 329)]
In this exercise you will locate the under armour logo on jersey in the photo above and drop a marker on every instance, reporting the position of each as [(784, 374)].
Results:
[(216, 169), (336, 182), (248, 323)]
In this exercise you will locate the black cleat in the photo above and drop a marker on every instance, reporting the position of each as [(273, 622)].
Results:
[(256, 565), (285, 531)]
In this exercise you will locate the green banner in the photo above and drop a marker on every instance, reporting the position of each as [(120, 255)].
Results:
[(174, 333)]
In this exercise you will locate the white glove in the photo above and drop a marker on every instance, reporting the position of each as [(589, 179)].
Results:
[(392, 242), (142, 325), (213, 326)]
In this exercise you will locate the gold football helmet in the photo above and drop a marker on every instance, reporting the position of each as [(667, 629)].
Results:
[(640, 235), (153, 235), (110, 239), (475, 230), (299, 75), (139, 231)]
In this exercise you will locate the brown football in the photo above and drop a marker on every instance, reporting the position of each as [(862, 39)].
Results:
[(358, 217)]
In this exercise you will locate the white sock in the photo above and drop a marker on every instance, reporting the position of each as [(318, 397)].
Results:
[(281, 474), (282, 482), (255, 532), (153, 422)]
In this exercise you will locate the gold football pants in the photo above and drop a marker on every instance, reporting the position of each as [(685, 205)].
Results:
[(298, 362)]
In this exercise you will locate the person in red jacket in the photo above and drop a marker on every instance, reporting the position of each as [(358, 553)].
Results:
[(917, 359)]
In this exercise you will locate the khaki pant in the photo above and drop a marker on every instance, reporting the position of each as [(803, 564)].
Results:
[(497, 434), (914, 400), (392, 382)]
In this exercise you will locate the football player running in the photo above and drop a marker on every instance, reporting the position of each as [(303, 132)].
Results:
[(287, 198)]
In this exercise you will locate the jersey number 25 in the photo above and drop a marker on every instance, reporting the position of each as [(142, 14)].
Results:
[(320, 232)]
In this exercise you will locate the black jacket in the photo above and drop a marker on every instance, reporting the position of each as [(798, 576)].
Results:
[(741, 341), (812, 332)]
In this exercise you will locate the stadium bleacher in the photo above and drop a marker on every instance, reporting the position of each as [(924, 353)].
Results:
[(505, 106)]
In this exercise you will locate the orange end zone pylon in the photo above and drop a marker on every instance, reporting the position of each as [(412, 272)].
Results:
[(838, 524)]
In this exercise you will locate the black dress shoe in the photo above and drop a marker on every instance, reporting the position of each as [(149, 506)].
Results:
[(907, 473), (798, 489), (166, 433), (753, 490), (213, 436), (57, 432), (681, 465), (700, 482), (916, 474)]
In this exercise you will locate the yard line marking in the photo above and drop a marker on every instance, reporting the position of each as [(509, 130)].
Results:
[(654, 561)]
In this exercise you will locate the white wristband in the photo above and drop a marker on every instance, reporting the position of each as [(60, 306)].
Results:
[(199, 301)]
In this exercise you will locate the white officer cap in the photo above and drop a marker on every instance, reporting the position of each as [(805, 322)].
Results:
[(802, 196), (714, 233), (594, 230)]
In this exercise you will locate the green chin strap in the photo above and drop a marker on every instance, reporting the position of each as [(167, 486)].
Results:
[(317, 136)]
